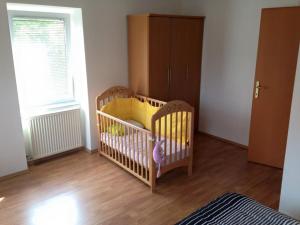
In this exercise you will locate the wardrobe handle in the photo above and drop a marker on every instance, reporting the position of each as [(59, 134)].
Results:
[(169, 76), (187, 72)]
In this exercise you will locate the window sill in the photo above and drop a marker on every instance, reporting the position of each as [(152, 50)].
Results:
[(53, 109)]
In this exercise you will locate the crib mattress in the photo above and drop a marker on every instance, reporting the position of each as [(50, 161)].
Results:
[(134, 147)]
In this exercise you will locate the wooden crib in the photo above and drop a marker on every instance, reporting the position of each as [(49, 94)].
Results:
[(134, 151)]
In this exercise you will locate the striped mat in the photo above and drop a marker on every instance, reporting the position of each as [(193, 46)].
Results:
[(237, 209)]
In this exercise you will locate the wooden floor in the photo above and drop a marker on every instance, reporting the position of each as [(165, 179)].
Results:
[(88, 189)]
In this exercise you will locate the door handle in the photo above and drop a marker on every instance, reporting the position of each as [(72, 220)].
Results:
[(257, 89)]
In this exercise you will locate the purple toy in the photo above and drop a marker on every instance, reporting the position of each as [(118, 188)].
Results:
[(158, 155)]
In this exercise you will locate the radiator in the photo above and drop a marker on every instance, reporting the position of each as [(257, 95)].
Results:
[(54, 133)]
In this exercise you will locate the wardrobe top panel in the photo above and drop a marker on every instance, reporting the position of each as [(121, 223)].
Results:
[(281, 8), (168, 15)]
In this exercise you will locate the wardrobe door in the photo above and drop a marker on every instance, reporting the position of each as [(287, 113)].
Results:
[(193, 66), (159, 57), (186, 52), (179, 59)]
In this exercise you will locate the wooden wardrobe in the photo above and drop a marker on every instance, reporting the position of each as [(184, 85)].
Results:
[(165, 54)]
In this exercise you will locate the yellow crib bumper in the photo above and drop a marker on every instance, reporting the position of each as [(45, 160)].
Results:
[(142, 112)]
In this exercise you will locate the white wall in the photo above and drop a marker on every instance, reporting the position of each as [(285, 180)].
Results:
[(106, 60), (290, 191), (229, 61), (12, 150)]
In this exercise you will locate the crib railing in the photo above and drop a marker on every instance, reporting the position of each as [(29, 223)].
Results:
[(112, 93), (151, 101), (174, 123), (126, 145)]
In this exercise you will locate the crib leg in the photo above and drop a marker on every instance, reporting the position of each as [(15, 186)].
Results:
[(153, 179), (153, 187), (153, 184)]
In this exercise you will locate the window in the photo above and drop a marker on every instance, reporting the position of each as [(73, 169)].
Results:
[(40, 49)]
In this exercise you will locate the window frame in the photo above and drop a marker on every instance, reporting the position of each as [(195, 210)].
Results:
[(67, 21)]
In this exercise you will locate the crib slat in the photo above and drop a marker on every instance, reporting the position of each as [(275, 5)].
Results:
[(189, 133), (147, 158), (130, 150), (127, 146), (118, 141), (111, 122), (165, 137), (186, 135), (111, 138), (175, 143), (170, 138), (114, 139), (159, 129), (181, 133), (133, 150), (104, 135), (107, 136), (118, 145), (138, 155), (100, 132), (142, 153), (124, 146)]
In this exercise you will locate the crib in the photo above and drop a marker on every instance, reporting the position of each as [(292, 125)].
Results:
[(132, 149)]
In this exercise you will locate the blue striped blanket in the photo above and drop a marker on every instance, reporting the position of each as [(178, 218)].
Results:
[(237, 209)]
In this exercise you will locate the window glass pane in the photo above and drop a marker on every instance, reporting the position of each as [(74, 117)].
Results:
[(41, 64)]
